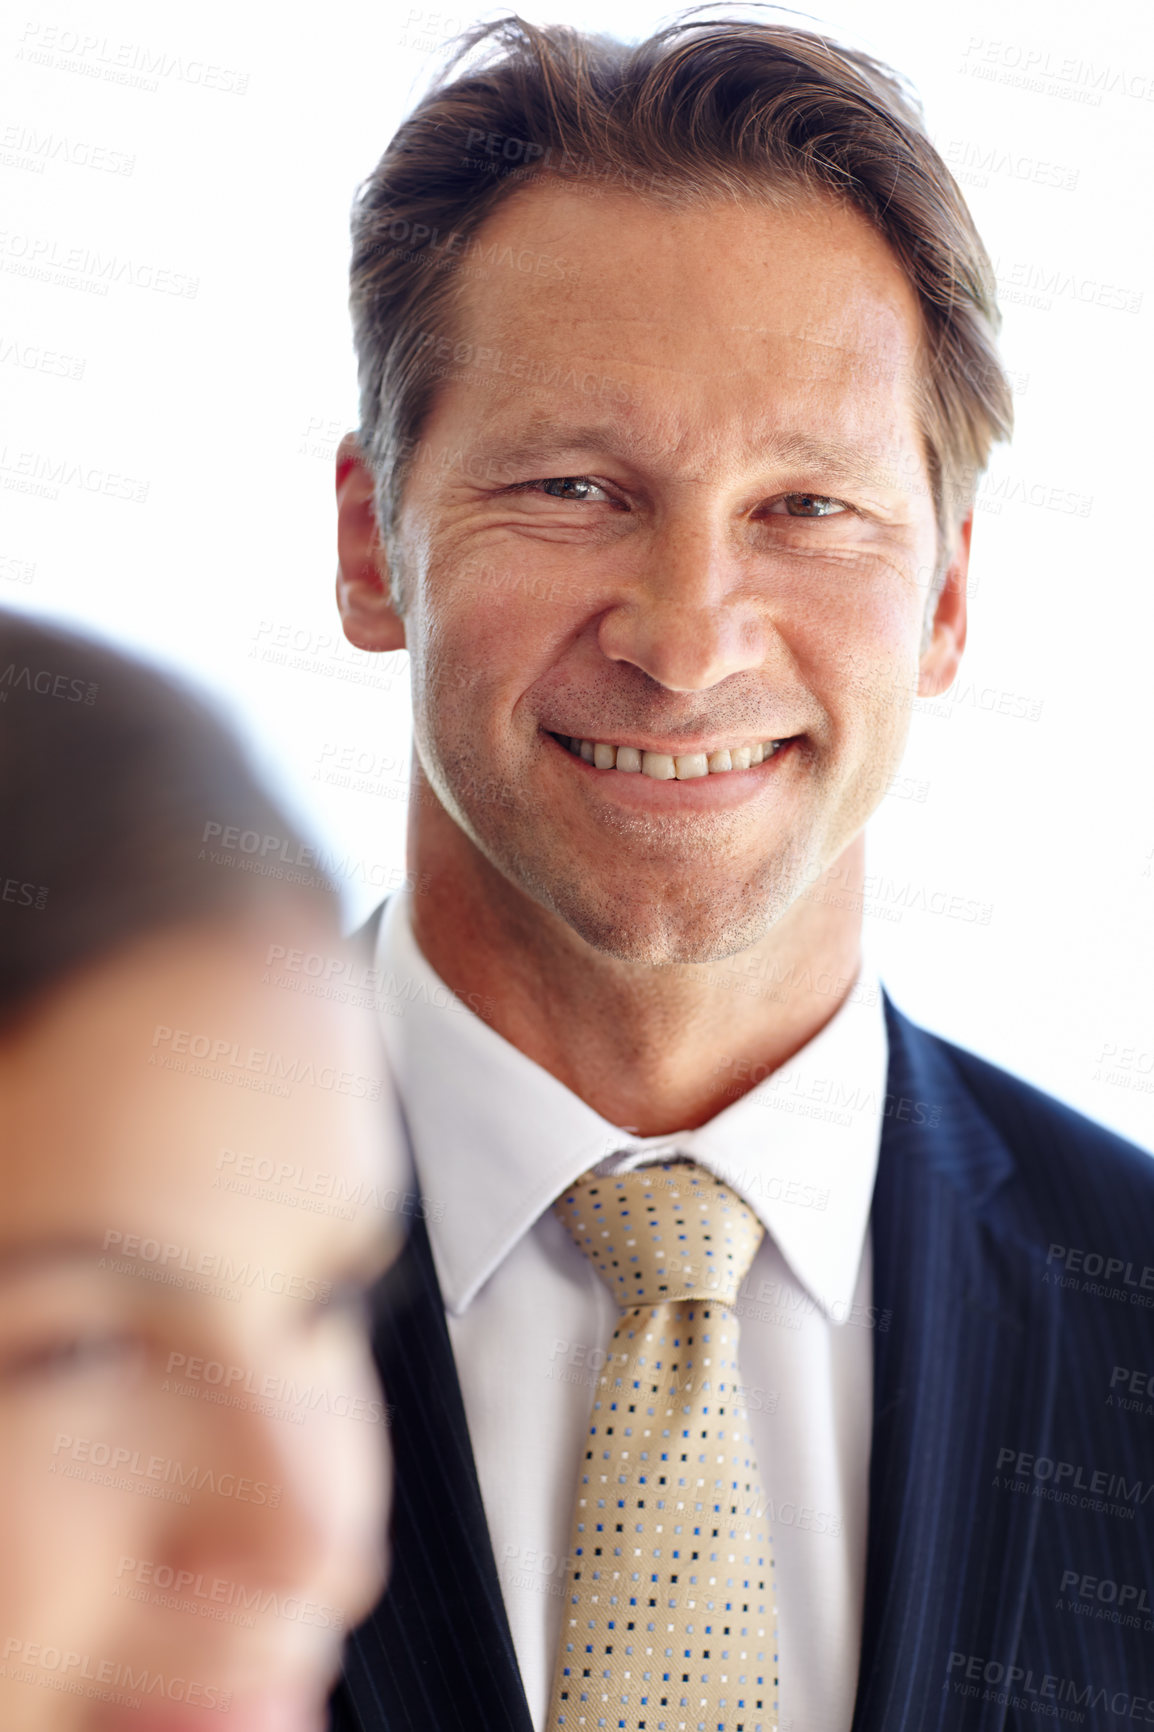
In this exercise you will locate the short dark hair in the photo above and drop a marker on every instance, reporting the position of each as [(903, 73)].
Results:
[(701, 108), (110, 775)]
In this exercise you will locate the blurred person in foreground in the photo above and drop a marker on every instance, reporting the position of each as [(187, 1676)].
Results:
[(193, 1454), (785, 1359)]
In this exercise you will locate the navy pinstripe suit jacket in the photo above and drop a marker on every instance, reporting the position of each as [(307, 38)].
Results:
[(1010, 1560)]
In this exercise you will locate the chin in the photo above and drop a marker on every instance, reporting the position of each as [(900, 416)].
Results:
[(684, 903), (632, 926)]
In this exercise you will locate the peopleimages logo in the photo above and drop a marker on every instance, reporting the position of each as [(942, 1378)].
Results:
[(163, 1255), (1022, 1687), (222, 1055), (1100, 1274), (126, 1466), (278, 1396), (68, 1670), (139, 65), (212, 1596), (291, 1182), (1103, 1591), (1070, 1482)]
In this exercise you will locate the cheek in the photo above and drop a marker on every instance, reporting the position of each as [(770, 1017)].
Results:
[(63, 1536), (855, 642), (483, 641), (346, 1455), (858, 638), (343, 1463), (345, 1416)]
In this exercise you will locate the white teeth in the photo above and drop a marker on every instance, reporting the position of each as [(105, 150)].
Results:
[(659, 765), (691, 764), (664, 766)]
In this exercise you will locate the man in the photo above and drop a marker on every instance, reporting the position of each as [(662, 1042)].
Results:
[(678, 374)]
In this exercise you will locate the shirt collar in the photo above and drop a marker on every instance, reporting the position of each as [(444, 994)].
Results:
[(497, 1138)]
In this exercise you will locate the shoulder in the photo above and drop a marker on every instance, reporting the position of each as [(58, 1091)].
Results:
[(1080, 1176)]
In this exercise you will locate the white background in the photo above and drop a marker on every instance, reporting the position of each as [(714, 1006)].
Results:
[(215, 149)]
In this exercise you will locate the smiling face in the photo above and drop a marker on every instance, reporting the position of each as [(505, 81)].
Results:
[(193, 1451), (669, 517)]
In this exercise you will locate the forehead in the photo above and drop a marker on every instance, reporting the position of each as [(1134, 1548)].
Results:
[(719, 315), (145, 1078)]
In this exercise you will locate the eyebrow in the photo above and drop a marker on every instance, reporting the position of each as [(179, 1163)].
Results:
[(542, 440)]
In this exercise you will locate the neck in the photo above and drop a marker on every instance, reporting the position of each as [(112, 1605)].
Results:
[(653, 1050)]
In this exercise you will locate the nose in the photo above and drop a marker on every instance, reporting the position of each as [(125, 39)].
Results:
[(690, 618)]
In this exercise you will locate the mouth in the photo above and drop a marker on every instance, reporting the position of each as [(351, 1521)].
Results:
[(669, 766)]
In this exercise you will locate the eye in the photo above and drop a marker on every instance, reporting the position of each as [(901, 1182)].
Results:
[(808, 505), (77, 1355), (572, 487)]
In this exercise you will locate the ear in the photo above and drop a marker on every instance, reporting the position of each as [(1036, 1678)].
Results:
[(368, 616), (946, 632)]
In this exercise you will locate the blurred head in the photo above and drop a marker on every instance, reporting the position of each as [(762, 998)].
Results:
[(678, 372), (193, 1451)]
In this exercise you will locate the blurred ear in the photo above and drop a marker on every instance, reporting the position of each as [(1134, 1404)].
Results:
[(946, 634), (368, 616)]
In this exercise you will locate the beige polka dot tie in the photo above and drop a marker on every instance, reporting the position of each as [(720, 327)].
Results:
[(671, 1625)]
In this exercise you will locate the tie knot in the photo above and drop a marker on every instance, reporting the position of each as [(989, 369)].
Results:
[(670, 1231)]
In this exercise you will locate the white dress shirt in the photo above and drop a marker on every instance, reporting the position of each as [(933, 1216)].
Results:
[(496, 1139)]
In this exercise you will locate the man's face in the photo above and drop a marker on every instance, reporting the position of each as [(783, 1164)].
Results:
[(674, 500)]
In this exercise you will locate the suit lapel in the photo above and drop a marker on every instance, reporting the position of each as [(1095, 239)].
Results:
[(436, 1655), (967, 1366)]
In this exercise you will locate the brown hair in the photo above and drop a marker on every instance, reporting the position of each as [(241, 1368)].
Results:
[(114, 781), (701, 109)]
